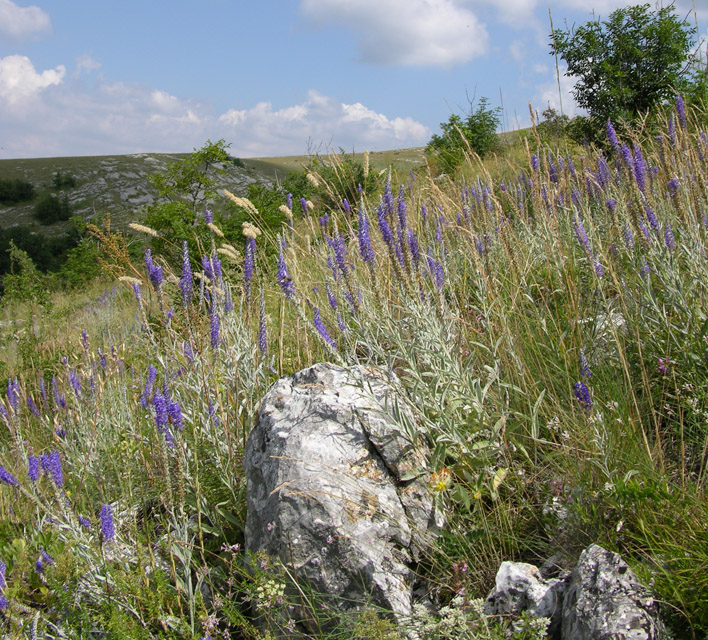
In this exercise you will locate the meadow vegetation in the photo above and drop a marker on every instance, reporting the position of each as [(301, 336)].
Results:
[(546, 309)]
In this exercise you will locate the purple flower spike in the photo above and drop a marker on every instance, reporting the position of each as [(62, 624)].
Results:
[(214, 327), (249, 261), (681, 111), (582, 393), (612, 136), (108, 530), (262, 329), (669, 238), (283, 275), (583, 363), (33, 467), (208, 216), (322, 329), (51, 463), (365, 248), (8, 478)]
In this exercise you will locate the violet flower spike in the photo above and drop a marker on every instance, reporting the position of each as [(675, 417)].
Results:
[(582, 394), (321, 328), (108, 530), (365, 248), (7, 478)]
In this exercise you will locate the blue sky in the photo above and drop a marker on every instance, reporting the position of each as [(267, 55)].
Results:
[(272, 77)]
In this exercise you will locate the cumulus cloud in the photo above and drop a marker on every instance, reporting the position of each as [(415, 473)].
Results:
[(22, 23), (405, 32), (19, 81), (86, 64), (44, 114), (319, 120)]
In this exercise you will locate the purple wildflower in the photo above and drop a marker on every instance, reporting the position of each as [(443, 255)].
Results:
[(138, 292), (663, 366), (332, 299), (44, 559), (599, 269), (51, 463), (214, 327), (365, 248), (611, 204), (289, 201), (84, 340), (629, 237), (345, 204), (84, 522), (672, 130), (262, 329), (583, 363), (149, 382), (324, 221), (162, 417), (33, 467), (580, 234), (321, 328), (534, 163), (681, 111), (8, 478), (249, 261), (339, 245), (208, 216), (303, 204), (13, 395), (582, 393), (414, 247), (651, 217), (669, 237), (612, 136), (75, 382), (175, 414), (154, 271), (640, 168), (283, 276), (108, 530), (188, 352), (384, 228), (673, 187), (437, 272)]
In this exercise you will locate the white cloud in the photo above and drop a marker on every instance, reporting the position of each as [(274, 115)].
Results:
[(112, 118), (406, 32), (20, 82), (85, 64), (319, 120), (21, 23)]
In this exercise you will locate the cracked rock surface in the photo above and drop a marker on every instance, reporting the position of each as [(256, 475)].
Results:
[(337, 490)]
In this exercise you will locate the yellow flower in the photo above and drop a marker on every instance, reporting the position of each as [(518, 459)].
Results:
[(439, 480)]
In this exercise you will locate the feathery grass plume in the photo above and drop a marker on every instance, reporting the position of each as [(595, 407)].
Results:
[(108, 531), (366, 164), (244, 203), (215, 229), (286, 211), (144, 229), (312, 179)]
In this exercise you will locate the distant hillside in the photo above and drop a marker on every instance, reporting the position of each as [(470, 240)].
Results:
[(119, 184)]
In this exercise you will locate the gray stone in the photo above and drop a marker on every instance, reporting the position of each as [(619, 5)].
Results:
[(336, 488), (605, 601), (521, 587)]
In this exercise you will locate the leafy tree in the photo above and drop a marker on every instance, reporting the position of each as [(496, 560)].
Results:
[(51, 208), (477, 131), (625, 65), (184, 189), (62, 180), (12, 191)]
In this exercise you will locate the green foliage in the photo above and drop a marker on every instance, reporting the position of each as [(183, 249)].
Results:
[(627, 64), (14, 191), (24, 282), (63, 180), (476, 132), (51, 209), (553, 127)]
